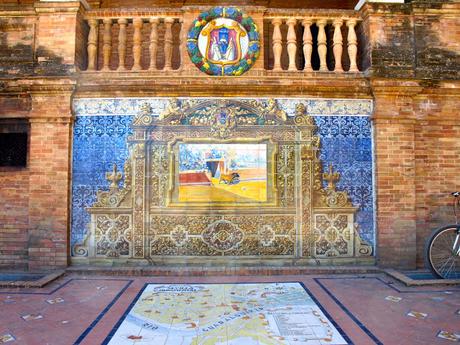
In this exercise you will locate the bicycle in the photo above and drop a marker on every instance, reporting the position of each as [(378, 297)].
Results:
[(443, 247)]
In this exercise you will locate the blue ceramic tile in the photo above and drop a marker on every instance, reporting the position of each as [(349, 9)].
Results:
[(100, 134), (98, 143)]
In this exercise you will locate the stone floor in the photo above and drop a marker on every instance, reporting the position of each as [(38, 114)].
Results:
[(365, 309)]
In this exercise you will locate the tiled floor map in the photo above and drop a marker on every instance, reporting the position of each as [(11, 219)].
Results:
[(231, 314)]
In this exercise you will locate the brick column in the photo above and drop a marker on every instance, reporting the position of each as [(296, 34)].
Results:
[(438, 160), (49, 182), (59, 46), (394, 138)]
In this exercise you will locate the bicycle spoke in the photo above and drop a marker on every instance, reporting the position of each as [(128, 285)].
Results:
[(443, 244), (444, 257), (444, 265), (447, 272), (440, 257), (448, 241), (453, 271), (456, 248), (442, 253), (439, 262), (456, 242)]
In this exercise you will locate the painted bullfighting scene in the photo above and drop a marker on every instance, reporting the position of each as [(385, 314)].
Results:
[(223, 173)]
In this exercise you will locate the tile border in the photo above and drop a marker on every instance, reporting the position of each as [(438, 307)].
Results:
[(123, 316), (347, 311), (103, 312), (131, 105)]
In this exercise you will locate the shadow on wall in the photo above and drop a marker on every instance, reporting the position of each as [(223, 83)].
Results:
[(20, 60)]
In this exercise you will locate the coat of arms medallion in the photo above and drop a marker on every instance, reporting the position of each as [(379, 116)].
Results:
[(223, 41)]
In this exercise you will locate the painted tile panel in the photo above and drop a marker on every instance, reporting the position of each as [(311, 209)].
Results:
[(102, 127), (243, 314)]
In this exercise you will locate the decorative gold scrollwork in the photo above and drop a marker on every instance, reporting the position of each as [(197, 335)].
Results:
[(301, 117), (266, 235), (115, 196), (114, 177), (174, 112), (205, 113), (330, 197), (223, 235), (81, 249), (113, 235), (144, 117), (223, 122), (306, 219), (273, 112)]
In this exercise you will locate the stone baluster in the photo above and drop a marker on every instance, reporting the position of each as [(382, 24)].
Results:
[(338, 45), (122, 22), (352, 45), (322, 47), (107, 44), (277, 43), (168, 43), (307, 44), (153, 47), (137, 41), (92, 43), (291, 43)]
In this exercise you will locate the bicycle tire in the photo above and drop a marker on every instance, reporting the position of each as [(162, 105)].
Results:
[(439, 253)]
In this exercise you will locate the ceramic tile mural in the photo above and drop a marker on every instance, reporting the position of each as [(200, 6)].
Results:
[(131, 106), (98, 143), (214, 173), (244, 314), (102, 126)]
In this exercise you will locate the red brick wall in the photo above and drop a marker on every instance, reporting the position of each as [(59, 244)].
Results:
[(16, 45), (395, 180), (417, 145), (437, 165), (55, 40), (34, 201), (50, 135), (437, 38), (416, 123), (411, 48), (14, 219)]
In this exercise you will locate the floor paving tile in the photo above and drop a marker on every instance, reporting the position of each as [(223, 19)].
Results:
[(340, 309)]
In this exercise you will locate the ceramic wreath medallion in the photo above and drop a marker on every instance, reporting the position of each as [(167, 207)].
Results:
[(223, 41)]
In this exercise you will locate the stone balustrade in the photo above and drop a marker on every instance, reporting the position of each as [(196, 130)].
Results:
[(118, 41), (303, 41), (314, 41)]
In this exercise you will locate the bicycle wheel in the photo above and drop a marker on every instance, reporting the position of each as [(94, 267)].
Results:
[(441, 254)]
